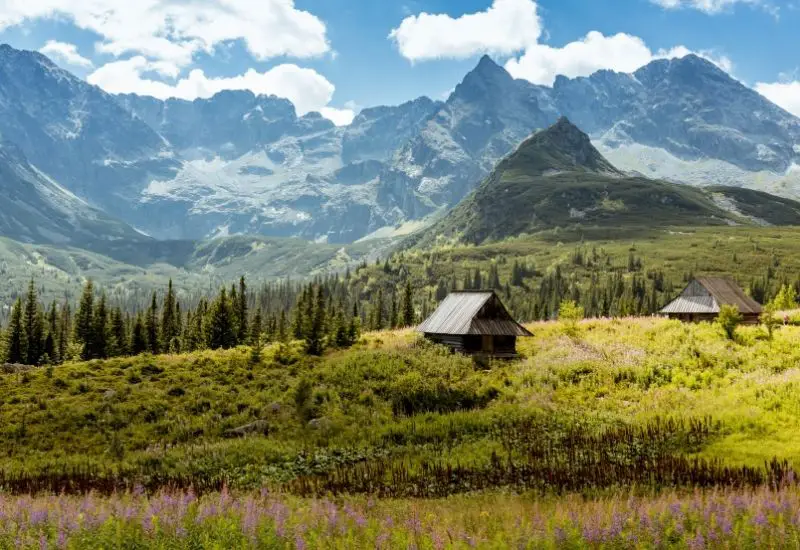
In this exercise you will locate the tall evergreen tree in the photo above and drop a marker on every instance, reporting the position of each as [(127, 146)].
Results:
[(408, 305), (84, 321), (315, 341), (152, 328), (256, 328), (33, 326), (169, 318), (221, 331), (241, 313), (100, 346), (139, 342), (119, 334), (16, 345)]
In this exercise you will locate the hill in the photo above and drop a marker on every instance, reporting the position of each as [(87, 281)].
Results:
[(278, 416), (557, 178)]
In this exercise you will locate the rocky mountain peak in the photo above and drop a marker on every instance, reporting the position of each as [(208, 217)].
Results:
[(485, 80)]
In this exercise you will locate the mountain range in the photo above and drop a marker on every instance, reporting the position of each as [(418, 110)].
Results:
[(557, 179), (237, 163)]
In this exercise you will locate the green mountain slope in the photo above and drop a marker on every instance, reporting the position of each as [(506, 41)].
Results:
[(556, 178)]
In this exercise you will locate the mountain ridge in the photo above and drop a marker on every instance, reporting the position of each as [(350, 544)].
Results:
[(556, 179), (239, 163)]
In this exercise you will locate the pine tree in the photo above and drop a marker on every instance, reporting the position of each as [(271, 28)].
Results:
[(256, 328), (315, 341), (282, 327), (394, 319), (220, 329), (377, 323), (408, 305), (169, 318), (16, 345), (84, 321), (64, 332), (101, 330), (139, 342), (33, 325), (151, 327), (242, 314), (50, 347), (119, 334)]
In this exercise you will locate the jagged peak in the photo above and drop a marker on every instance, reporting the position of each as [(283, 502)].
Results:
[(563, 146)]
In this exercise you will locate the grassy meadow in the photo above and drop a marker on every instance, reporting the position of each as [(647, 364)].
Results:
[(649, 433), (266, 417)]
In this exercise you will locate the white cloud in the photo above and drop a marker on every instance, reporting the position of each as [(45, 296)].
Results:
[(174, 30), (512, 27), (541, 63), (340, 117), (508, 26), (306, 88), (708, 6), (66, 53), (782, 94)]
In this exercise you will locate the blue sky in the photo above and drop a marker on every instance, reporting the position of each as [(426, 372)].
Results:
[(338, 56)]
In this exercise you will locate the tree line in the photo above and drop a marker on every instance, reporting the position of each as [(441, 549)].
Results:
[(323, 314)]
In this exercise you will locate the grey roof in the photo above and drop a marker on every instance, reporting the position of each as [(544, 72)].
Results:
[(463, 313), (707, 294)]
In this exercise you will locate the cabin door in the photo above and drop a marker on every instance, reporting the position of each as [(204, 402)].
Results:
[(488, 343)]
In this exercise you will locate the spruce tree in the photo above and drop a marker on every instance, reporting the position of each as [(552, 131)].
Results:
[(242, 314), (119, 334), (101, 330), (152, 328), (64, 332), (139, 342), (256, 328), (394, 319), (15, 345), (169, 318), (408, 305), (221, 331), (315, 341), (33, 324), (84, 321)]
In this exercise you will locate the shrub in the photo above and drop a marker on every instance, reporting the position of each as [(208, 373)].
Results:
[(570, 313), (729, 318), (770, 320)]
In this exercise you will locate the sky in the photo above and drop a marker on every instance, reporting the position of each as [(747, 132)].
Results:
[(339, 56)]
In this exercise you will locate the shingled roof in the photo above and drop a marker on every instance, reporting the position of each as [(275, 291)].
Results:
[(707, 294), (477, 313)]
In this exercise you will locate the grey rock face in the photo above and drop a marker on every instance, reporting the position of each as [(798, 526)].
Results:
[(35, 209)]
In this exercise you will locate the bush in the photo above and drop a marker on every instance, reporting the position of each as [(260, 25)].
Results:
[(729, 318), (570, 313)]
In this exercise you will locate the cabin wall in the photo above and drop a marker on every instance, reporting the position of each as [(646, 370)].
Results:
[(747, 318), (494, 346)]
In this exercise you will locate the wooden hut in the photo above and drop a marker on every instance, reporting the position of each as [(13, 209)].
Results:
[(475, 323), (702, 299)]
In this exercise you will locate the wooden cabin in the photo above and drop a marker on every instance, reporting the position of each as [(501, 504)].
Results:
[(702, 298), (474, 323)]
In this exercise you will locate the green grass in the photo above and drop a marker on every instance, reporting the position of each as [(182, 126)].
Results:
[(393, 397)]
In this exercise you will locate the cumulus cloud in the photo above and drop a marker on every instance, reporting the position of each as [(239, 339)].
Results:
[(621, 52), (513, 28), (174, 31), (506, 27), (66, 53), (782, 94), (306, 88)]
